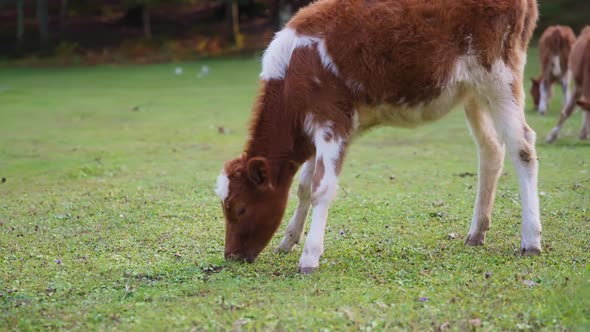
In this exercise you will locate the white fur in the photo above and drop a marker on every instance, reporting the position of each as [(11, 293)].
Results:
[(557, 66), (544, 95), (222, 186), (327, 152), (295, 228), (314, 244), (355, 121), (354, 86), (326, 59), (277, 56), (508, 117)]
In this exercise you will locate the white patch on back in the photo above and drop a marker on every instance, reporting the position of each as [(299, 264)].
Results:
[(222, 186), (557, 66), (277, 56)]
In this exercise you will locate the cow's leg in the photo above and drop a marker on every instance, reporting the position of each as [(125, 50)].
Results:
[(329, 157), (565, 114), (295, 228), (585, 125), (507, 111), (544, 98), (491, 160), (564, 82)]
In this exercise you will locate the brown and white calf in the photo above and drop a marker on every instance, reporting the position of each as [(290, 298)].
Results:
[(341, 67), (579, 64), (554, 50)]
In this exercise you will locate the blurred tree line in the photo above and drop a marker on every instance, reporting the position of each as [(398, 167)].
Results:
[(30, 26), (43, 24)]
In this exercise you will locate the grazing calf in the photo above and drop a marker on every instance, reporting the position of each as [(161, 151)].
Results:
[(341, 67), (579, 64), (554, 50)]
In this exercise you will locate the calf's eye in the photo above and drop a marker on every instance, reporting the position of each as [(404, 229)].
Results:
[(241, 211)]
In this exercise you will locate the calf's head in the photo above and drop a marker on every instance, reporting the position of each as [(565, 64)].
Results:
[(536, 91), (253, 199)]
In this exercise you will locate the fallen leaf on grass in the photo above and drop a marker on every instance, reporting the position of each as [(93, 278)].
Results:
[(348, 314), (465, 174), (452, 236), (443, 327), (529, 283), (438, 214), (476, 322)]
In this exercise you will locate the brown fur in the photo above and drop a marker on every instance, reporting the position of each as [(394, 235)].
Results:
[(400, 51), (579, 65), (556, 40)]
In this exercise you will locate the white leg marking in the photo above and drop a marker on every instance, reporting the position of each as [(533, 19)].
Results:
[(543, 100), (565, 89), (324, 187), (556, 66), (314, 244), (568, 109), (295, 228), (508, 114)]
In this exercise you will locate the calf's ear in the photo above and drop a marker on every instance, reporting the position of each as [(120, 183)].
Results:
[(259, 172)]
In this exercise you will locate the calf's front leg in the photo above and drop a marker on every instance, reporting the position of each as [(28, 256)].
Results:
[(329, 156), (585, 125), (545, 90), (295, 228), (567, 111)]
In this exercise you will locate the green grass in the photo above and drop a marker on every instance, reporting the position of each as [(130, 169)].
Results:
[(108, 220)]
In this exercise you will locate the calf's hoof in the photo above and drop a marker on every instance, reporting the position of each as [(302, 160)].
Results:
[(306, 270), (475, 239), (282, 250), (551, 137), (530, 251)]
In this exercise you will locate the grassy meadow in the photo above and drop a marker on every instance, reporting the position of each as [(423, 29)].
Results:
[(108, 220)]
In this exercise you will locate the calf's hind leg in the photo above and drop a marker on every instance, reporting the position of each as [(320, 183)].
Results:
[(567, 111), (295, 228), (507, 110), (491, 159)]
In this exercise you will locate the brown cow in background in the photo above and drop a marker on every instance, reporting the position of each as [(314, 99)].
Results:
[(579, 66), (554, 50)]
